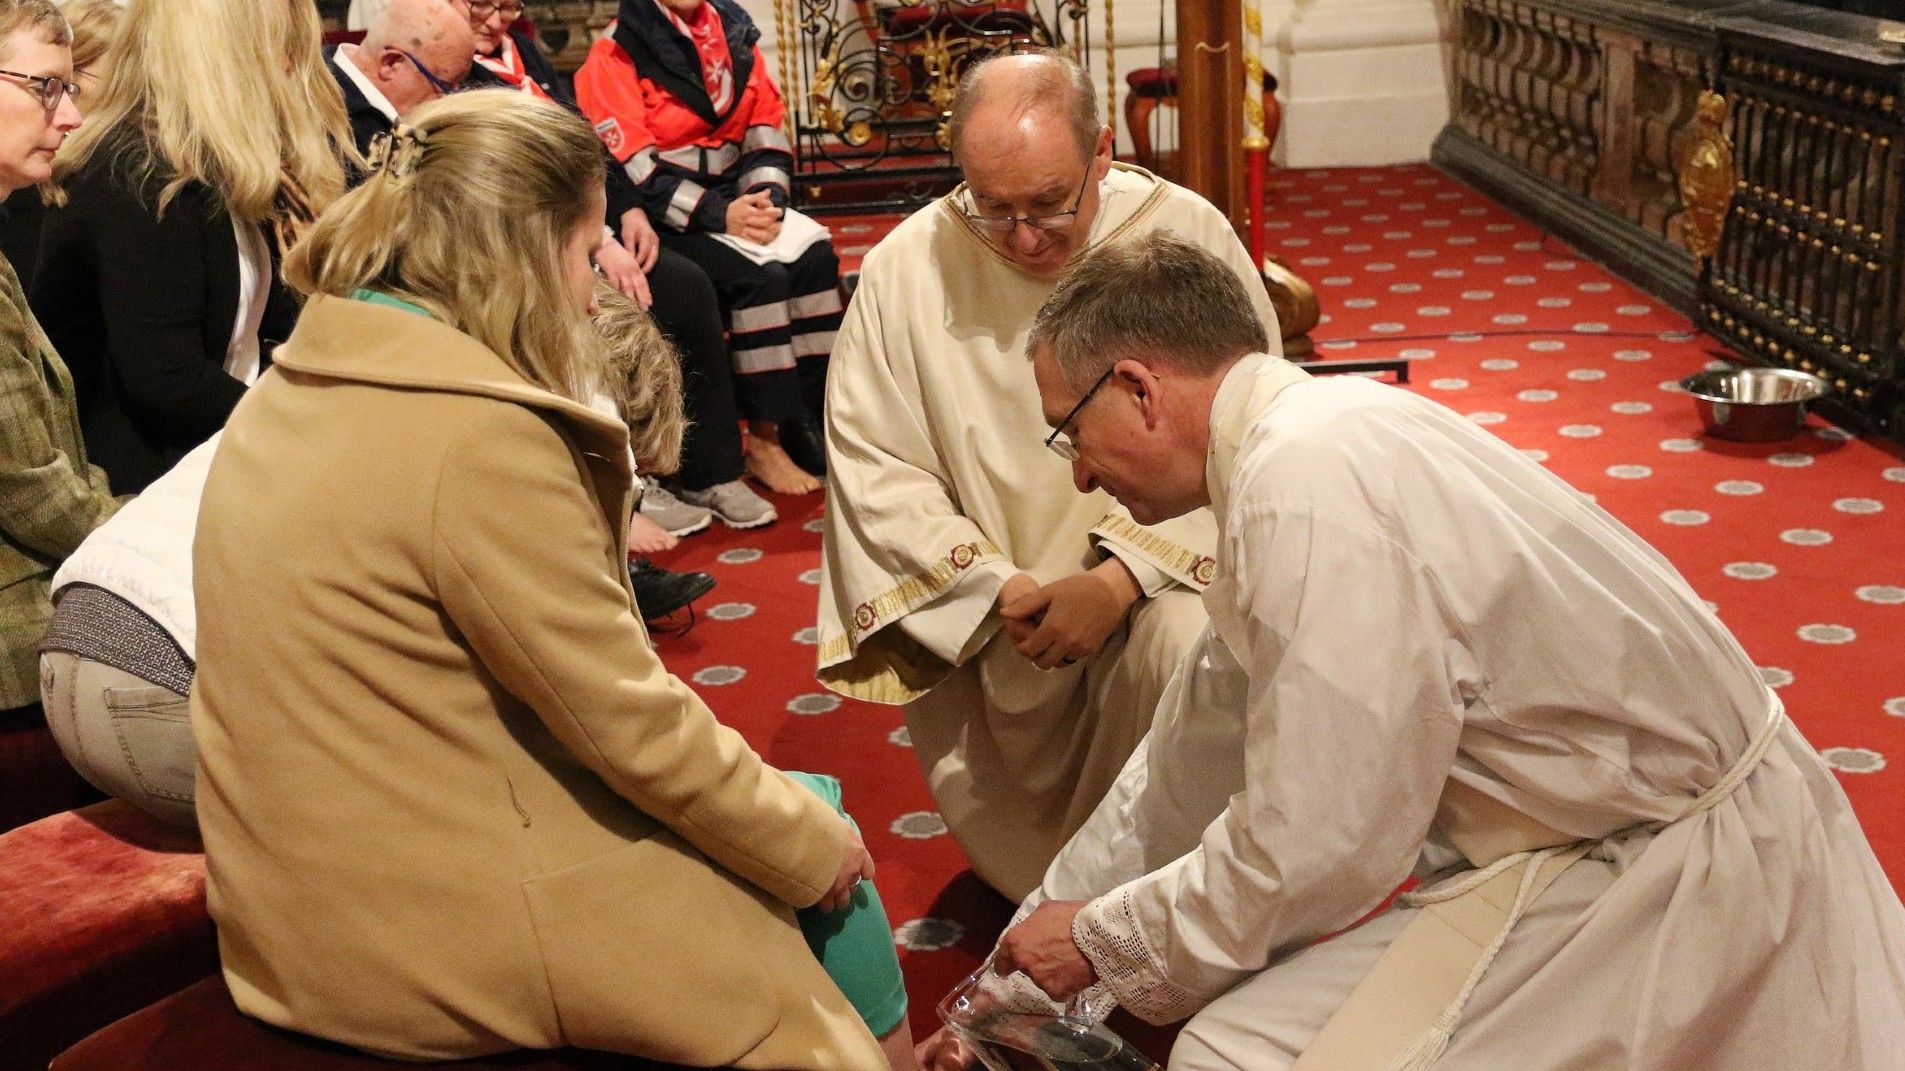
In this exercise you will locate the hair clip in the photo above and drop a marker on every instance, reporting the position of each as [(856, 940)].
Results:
[(396, 154)]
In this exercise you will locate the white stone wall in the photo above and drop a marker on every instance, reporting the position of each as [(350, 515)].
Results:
[(1361, 80)]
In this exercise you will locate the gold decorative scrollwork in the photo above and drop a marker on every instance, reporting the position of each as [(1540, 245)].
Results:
[(1706, 176), (820, 95), (876, 83)]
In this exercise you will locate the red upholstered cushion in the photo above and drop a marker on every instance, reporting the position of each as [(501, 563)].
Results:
[(200, 1029), (1152, 82), (1162, 82), (333, 38), (102, 911)]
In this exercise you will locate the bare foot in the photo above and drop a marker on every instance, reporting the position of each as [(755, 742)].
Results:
[(645, 537), (768, 463)]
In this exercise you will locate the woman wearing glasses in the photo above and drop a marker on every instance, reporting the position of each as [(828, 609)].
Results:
[(93, 22), (50, 497), (214, 140)]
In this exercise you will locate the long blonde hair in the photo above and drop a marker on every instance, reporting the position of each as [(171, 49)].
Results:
[(95, 23), (643, 376), (229, 93), (467, 217)]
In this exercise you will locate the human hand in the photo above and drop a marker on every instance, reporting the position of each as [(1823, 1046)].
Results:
[(638, 234), (620, 269), (753, 216), (943, 1051), (1071, 617), (1017, 587), (1042, 947), (854, 865)]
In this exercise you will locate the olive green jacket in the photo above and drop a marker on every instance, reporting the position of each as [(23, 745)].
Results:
[(50, 496)]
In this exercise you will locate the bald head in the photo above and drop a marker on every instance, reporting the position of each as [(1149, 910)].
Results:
[(436, 32), (1006, 91)]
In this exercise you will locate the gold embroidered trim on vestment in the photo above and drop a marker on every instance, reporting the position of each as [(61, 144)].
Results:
[(888, 667), (915, 591), (1185, 565), (901, 670)]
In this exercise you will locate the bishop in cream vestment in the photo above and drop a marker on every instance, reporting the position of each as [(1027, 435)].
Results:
[(1428, 654), (939, 492)]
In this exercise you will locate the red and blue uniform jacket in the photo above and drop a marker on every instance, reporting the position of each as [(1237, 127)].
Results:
[(642, 87)]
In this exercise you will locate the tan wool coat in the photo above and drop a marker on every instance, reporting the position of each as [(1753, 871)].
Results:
[(452, 802)]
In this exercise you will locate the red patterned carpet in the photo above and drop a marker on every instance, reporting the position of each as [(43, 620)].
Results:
[(1799, 545)]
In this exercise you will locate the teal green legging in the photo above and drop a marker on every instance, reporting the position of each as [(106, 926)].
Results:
[(855, 943)]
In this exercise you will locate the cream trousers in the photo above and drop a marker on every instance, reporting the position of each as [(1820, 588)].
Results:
[(130, 738)]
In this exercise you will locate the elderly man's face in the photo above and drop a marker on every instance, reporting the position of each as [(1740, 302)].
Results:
[(1027, 164)]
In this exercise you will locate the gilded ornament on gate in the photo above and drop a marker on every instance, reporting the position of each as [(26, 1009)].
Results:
[(820, 94), (1705, 165)]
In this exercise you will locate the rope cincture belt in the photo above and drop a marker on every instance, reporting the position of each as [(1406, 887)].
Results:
[(1401, 1016)]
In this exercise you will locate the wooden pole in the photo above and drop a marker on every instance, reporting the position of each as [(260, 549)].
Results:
[(1210, 68)]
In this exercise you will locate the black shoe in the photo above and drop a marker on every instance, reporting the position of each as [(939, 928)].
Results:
[(805, 444), (659, 592)]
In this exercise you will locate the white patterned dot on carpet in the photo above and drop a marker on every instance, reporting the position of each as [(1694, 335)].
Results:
[(1855, 760), (928, 935), (1775, 677), (1829, 634), (813, 703), (919, 825)]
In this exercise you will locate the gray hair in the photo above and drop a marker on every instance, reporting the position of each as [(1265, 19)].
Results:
[(41, 16), (1156, 296), (1056, 80)]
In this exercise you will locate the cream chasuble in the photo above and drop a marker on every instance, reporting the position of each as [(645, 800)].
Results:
[(939, 492), (1427, 652)]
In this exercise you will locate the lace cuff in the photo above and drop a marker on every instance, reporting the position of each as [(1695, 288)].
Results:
[(1016, 992), (1106, 931)]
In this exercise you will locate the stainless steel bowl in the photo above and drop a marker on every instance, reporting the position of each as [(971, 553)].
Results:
[(1753, 405)]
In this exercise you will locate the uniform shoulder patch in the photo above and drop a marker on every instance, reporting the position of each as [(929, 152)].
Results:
[(610, 131)]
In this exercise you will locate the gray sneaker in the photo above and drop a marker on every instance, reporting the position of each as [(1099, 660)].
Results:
[(735, 503), (678, 517)]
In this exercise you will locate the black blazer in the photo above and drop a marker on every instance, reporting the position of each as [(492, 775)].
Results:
[(20, 219), (142, 308), (366, 121)]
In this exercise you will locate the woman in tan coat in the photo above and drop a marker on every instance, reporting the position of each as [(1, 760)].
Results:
[(452, 803)]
